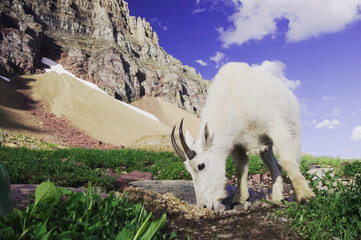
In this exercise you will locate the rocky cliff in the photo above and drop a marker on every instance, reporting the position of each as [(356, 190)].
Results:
[(99, 41)]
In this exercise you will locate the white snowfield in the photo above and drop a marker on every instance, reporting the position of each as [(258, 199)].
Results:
[(5, 78), (54, 66)]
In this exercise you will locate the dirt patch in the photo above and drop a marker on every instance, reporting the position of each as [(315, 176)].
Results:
[(255, 220), (21, 114), (101, 116), (168, 113), (258, 223)]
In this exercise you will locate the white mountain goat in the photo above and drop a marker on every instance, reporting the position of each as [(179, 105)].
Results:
[(246, 111)]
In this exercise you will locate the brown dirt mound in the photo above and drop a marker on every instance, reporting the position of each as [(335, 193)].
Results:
[(20, 114), (257, 221), (60, 109)]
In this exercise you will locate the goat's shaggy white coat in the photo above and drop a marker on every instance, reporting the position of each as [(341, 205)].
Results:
[(247, 111)]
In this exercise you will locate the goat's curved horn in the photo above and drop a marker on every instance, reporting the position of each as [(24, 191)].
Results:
[(177, 148), (190, 153)]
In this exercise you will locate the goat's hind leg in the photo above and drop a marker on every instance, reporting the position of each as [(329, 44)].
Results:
[(240, 159), (270, 161)]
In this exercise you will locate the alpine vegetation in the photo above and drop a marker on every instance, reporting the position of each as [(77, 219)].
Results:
[(246, 111)]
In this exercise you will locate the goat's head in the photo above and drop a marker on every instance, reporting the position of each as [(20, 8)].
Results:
[(203, 162)]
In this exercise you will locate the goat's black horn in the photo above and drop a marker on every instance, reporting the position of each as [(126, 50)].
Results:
[(177, 148), (190, 153)]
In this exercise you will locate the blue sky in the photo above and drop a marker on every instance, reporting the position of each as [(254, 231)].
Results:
[(314, 46)]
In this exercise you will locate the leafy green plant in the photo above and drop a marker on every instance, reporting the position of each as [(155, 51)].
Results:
[(351, 169), (334, 213), (80, 216)]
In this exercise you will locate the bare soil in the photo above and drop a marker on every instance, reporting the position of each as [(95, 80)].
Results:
[(34, 119), (259, 224)]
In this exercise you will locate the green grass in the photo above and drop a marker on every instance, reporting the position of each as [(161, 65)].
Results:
[(335, 213), (77, 167), (81, 216)]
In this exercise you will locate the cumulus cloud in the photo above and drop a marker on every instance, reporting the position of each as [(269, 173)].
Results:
[(201, 62), (219, 59), (328, 124), (356, 133), (255, 19), (278, 69)]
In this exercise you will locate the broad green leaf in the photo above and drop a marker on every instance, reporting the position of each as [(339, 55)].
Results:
[(65, 191), (154, 227), (64, 236), (45, 192), (125, 234), (143, 227)]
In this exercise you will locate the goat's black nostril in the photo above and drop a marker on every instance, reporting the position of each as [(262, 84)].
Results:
[(204, 206)]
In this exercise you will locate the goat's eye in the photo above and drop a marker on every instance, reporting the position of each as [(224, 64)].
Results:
[(201, 166)]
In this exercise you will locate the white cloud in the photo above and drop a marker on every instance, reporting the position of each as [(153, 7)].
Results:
[(356, 133), (219, 59), (201, 62), (327, 98), (255, 19), (198, 10), (278, 69), (328, 124), (313, 122), (161, 25)]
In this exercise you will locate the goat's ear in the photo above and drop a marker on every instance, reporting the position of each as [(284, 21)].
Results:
[(208, 139), (189, 139)]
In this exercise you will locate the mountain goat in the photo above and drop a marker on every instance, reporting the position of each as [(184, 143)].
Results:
[(246, 111)]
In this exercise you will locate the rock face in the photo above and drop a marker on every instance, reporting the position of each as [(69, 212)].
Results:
[(99, 41)]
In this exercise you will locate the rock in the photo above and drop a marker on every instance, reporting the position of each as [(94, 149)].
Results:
[(267, 177), (100, 42), (182, 189), (256, 178), (255, 232), (123, 180), (225, 235)]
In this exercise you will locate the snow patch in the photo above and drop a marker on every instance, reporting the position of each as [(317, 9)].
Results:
[(147, 114), (54, 66), (5, 78)]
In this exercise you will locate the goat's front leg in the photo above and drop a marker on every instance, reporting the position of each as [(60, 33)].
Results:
[(240, 159)]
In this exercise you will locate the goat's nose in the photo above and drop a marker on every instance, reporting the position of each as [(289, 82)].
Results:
[(204, 206)]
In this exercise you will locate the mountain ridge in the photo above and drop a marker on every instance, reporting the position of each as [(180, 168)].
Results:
[(100, 42)]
